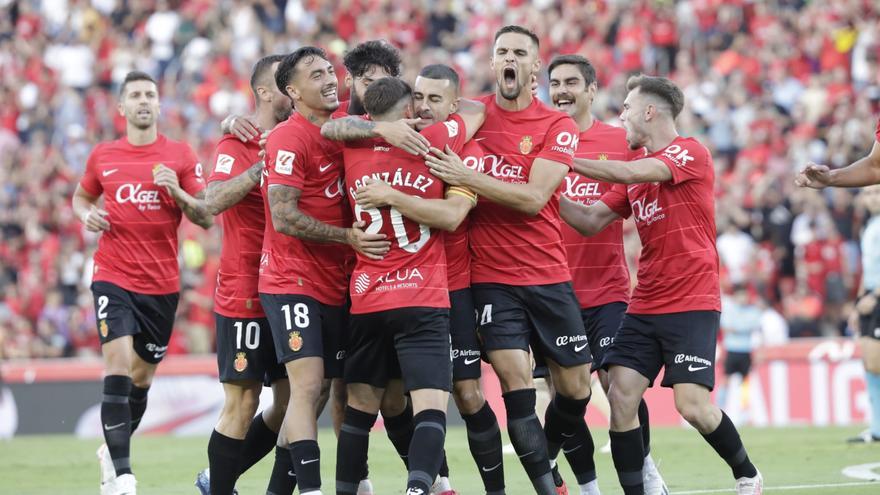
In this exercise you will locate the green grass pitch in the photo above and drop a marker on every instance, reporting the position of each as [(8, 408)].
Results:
[(794, 459)]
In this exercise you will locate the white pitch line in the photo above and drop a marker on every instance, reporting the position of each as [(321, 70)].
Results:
[(788, 487)]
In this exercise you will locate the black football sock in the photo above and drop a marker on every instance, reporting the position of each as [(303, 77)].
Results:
[(137, 402), (283, 479), (400, 431), (484, 440), (629, 457), (258, 442), (224, 459), (426, 450), (116, 419), (444, 467), (564, 424), (528, 439), (725, 440), (306, 458), (645, 425), (352, 448)]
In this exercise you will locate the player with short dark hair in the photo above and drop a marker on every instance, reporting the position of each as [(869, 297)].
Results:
[(148, 183), (673, 317), (519, 275), (435, 98), (245, 350), (305, 249), (400, 303), (598, 263)]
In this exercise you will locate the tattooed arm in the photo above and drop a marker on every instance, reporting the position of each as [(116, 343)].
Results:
[(223, 194), (398, 133), (194, 207), (288, 219)]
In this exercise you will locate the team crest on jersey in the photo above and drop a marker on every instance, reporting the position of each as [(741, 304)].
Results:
[(525, 145), (249, 304), (104, 328), (295, 341), (240, 363), (603, 156)]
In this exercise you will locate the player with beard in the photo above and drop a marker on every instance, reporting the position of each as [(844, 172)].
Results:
[(148, 182), (400, 319), (436, 97), (305, 249), (245, 351), (674, 313), (520, 279), (598, 264)]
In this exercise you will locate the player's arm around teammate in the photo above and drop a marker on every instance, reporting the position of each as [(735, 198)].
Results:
[(587, 220)]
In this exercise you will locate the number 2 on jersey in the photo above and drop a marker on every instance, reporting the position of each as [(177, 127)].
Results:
[(397, 223)]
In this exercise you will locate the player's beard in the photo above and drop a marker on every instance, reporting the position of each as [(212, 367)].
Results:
[(510, 93), (355, 106), (283, 113)]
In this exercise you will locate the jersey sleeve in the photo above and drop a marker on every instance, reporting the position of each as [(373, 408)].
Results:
[(686, 159), (90, 180), (616, 199), (449, 133), (190, 174), (230, 160), (286, 159), (561, 142)]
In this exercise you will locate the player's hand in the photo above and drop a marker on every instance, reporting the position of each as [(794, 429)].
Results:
[(401, 134), (814, 176), (448, 167), (373, 246), (374, 194), (95, 220), (264, 137), (241, 127), (866, 304), (167, 178)]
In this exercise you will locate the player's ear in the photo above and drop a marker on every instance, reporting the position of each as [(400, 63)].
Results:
[(348, 80), (120, 108), (454, 107), (292, 93)]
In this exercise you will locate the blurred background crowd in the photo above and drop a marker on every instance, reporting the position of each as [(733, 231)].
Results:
[(770, 85)]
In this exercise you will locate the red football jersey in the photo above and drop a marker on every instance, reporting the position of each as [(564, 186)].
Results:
[(598, 264), (877, 132), (458, 255), (678, 269), (507, 246), (413, 273), (242, 224), (139, 252), (298, 156)]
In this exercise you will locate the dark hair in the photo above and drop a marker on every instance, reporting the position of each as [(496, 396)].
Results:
[(512, 28), (583, 65), (442, 72), (135, 75), (370, 53), (287, 68), (261, 68), (660, 87), (383, 94)]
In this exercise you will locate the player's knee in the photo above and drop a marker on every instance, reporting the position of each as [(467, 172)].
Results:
[(307, 390), (692, 409), (624, 404), (393, 405), (468, 397)]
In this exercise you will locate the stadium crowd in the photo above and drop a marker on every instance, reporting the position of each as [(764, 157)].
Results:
[(769, 86)]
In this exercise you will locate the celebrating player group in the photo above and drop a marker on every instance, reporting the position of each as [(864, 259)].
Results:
[(375, 251)]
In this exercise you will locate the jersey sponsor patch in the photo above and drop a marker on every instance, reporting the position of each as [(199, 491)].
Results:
[(284, 162), (224, 164), (452, 127)]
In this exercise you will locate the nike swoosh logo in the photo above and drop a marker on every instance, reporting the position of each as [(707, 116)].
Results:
[(527, 453), (579, 348), (304, 462), (479, 139), (572, 450), (323, 168), (493, 468), (291, 473), (471, 361), (108, 428), (109, 172), (159, 355), (568, 435), (698, 368)]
